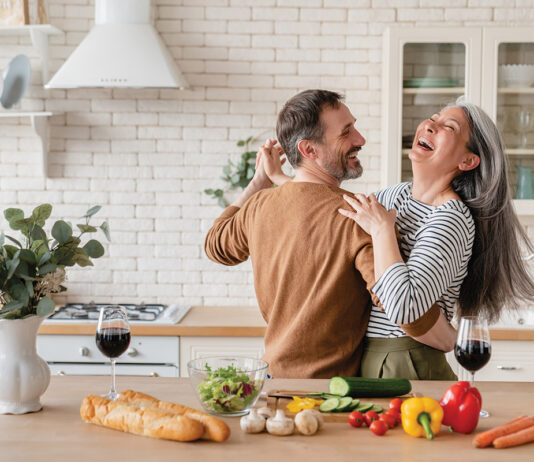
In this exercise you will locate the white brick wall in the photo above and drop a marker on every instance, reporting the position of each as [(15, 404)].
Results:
[(147, 155)]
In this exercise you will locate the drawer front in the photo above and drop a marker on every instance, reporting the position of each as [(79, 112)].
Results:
[(511, 361), (82, 348), (120, 369)]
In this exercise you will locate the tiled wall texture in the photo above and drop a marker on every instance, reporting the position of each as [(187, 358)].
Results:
[(147, 155)]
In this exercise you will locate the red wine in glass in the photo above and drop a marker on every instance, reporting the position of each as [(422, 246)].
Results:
[(473, 354), (473, 348), (113, 341), (112, 338)]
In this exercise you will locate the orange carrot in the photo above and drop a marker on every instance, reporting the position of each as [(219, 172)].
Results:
[(515, 439), (485, 439)]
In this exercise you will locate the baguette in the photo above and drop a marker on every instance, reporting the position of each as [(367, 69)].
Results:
[(214, 429), (126, 417)]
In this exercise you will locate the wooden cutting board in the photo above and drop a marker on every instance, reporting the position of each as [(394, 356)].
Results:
[(336, 417)]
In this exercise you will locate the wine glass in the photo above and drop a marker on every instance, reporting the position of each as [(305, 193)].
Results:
[(473, 347), (112, 338), (524, 121)]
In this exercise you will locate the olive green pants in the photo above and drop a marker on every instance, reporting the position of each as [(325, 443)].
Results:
[(403, 357)]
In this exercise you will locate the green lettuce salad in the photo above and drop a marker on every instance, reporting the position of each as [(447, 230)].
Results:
[(227, 390)]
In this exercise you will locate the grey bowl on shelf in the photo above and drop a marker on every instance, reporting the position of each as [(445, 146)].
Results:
[(16, 80)]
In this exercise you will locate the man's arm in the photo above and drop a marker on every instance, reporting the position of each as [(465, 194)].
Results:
[(227, 240)]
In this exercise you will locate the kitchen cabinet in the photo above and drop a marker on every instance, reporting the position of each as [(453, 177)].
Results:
[(511, 361), (426, 68), (39, 34), (198, 347)]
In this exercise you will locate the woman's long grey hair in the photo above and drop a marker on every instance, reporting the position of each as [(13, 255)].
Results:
[(497, 276)]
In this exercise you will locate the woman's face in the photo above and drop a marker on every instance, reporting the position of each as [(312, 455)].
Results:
[(440, 143)]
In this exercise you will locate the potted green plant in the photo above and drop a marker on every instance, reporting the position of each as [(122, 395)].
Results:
[(236, 175), (31, 269)]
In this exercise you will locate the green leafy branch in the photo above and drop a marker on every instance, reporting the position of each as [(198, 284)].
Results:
[(236, 175), (34, 268)]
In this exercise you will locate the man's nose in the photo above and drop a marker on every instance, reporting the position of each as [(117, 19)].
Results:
[(358, 140)]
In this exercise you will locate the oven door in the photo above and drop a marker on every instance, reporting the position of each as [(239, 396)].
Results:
[(147, 370)]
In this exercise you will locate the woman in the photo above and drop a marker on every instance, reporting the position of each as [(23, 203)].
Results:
[(456, 205)]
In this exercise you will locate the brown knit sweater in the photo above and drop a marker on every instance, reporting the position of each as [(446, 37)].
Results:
[(311, 268)]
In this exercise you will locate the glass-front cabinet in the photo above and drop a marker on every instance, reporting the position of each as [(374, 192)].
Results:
[(424, 69)]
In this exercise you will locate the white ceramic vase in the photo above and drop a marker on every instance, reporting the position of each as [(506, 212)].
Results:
[(24, 375)]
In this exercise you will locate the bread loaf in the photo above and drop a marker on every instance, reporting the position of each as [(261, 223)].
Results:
[(129, 418), (214, 429)]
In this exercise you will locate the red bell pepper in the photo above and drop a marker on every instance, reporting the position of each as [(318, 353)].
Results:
[(461, 405)]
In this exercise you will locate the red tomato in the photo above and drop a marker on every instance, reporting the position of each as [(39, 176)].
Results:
[(369, 417), (395, 414), (356, 419), (378, 427), (389, 420), (395, 404)]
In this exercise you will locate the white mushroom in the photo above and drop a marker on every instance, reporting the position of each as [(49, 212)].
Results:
[(316, 414), (280, 424), (252, 423), (266, 412), (306, 423)]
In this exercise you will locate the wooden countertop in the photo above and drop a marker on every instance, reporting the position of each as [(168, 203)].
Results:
[(58, 433), (223, 321)]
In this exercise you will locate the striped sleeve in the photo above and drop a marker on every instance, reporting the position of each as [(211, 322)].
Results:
[(437, 261), (388, 196)]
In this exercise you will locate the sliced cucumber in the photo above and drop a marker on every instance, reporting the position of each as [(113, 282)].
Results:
[(364, 407), (344, 404), (354, 404), (329, 405), (377, 409)]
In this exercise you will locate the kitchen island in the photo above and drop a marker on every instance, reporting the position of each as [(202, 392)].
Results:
[(57, 433)]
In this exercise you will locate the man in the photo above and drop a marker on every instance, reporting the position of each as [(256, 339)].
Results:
[(311, 265)]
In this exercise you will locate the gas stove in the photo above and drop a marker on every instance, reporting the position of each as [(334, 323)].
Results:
[(142, 313)]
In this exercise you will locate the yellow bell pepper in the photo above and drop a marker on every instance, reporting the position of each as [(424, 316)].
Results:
[(298, 404), (421, 417)]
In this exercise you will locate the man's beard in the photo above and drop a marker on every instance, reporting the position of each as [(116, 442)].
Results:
[(338, 168)]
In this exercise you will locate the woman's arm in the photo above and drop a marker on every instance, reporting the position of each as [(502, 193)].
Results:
[(441, 336)]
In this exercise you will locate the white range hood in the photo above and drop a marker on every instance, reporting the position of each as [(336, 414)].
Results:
[(122, 50)]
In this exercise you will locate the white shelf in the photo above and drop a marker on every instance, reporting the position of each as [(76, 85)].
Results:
[(39, 122), (39, 34), (434, 91), (520, 152), (525, 90)]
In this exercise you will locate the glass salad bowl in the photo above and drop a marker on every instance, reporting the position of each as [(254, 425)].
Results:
[(227, 386)]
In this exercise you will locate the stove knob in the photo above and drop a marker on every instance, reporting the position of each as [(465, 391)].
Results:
[(154, 374), (84, 351), (132, 352)]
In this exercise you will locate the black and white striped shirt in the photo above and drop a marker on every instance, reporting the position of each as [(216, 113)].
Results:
[(436, 243)]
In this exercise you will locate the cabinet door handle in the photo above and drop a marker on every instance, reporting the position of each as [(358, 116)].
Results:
[(508, 368), (132, 352), (154, 374), (61, 373), (84, 351)]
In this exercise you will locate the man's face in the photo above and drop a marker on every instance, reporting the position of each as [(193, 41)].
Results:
[(338, 150)]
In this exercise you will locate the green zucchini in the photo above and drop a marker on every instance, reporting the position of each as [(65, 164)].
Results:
[(358, 387)]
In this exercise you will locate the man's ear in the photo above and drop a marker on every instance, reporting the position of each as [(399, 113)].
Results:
[(307, 149), (469, 162)]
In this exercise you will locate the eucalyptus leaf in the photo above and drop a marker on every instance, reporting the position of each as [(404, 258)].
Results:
[(105, 229), (2, 239), (61, 231), (48, 268), (81, 258), (20, 293), (94, 248), (222, 203), (38, 234), (12, 239), (92, 211), (44, 259), (209, 191), (241, 143), (27, 256), (45, 306), (29, 288), (13, 214), (41, 213), (13, 305), (11, 267), (226, 170), (86, 228), (14, 314)]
